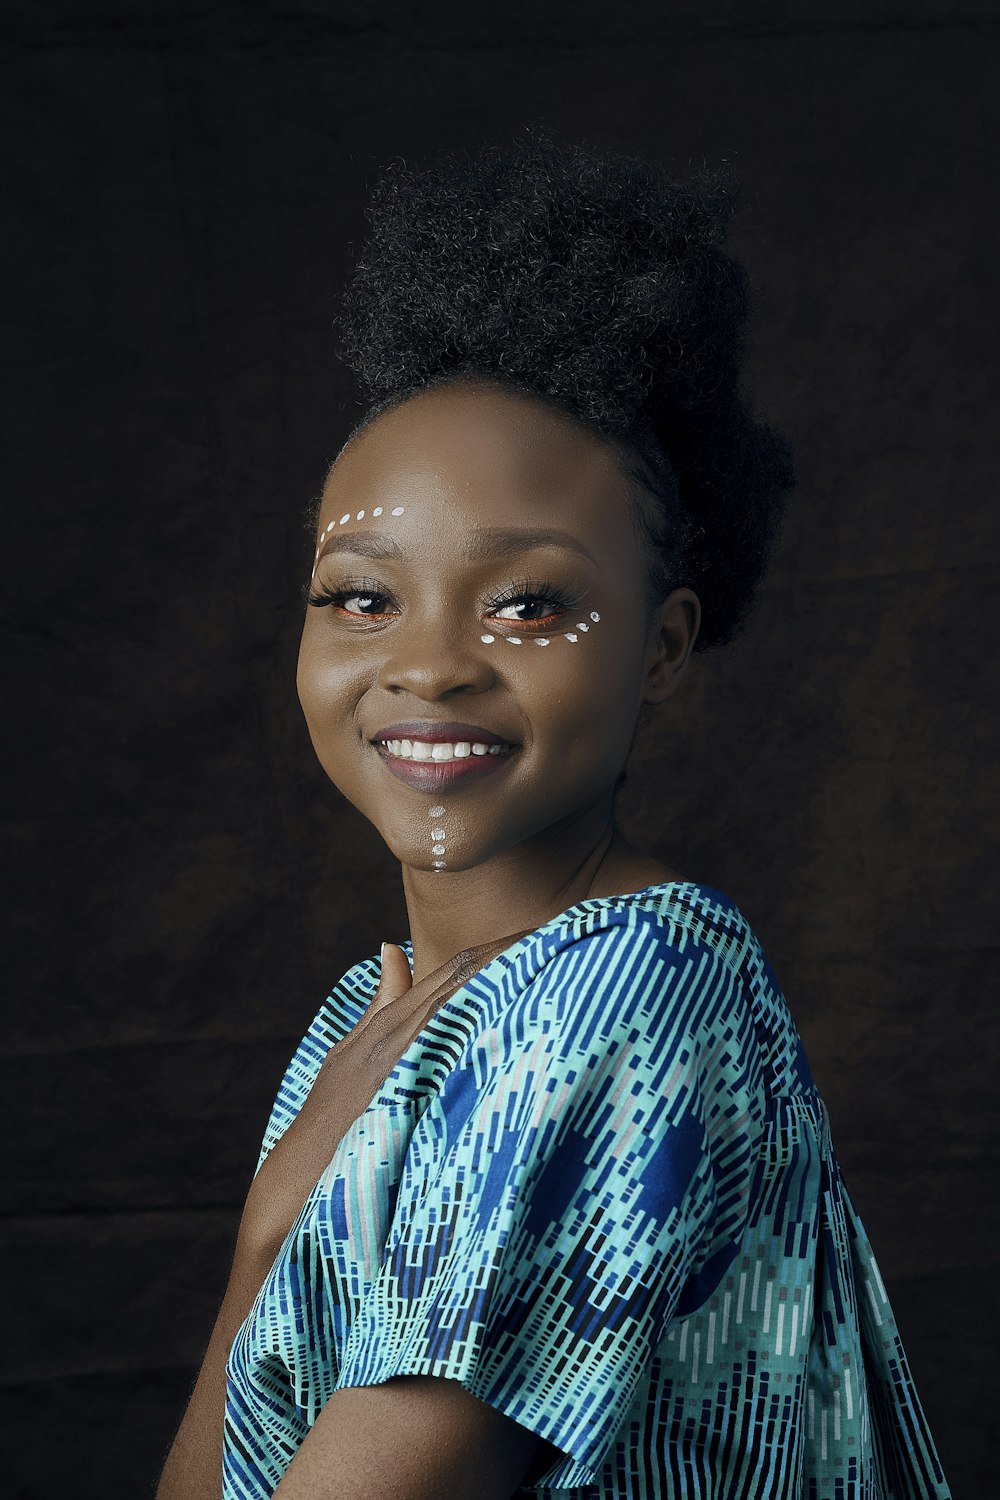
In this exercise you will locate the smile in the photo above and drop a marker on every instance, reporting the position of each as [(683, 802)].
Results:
[(441, 750), (434, 755)]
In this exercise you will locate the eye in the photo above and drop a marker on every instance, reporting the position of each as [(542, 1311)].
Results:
[(362, 600), (532, 605), (526, 612)]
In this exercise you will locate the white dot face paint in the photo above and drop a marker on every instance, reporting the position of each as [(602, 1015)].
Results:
[(439, 835), (572, 636), (399, 510)]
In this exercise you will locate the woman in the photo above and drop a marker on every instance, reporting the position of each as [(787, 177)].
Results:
[(547, 1202)]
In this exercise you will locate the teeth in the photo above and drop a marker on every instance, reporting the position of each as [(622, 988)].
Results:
[(442, 750)]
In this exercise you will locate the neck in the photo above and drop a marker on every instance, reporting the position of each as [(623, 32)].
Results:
[(518, 890)]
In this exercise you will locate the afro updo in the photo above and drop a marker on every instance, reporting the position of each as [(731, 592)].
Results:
[(594, 283)]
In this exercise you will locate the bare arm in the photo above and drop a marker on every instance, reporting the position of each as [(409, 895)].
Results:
[(414, 1437), (193, 1468)]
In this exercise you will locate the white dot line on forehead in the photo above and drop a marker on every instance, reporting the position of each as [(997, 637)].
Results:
[(399, 510)]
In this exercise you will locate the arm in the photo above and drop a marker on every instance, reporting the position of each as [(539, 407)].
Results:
[(414, 1437), (193, 1468)]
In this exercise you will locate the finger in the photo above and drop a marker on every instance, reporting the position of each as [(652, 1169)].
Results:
[(395, 978)]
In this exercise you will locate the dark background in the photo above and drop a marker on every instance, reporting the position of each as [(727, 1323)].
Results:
[(186, 886)]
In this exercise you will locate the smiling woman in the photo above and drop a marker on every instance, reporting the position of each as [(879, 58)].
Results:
[(547, 1202)]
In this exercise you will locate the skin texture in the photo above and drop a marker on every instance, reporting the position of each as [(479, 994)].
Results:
[(460, 464)]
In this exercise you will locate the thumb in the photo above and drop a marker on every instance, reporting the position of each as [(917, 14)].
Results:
[(395, 978)]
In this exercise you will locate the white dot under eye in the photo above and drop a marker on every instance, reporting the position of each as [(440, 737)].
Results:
[(515, 640), (344, 518), (571, 637), (582, 625), (487, 640), (331, 525), (399, 510), (361, 515), (543, 642), (594, 615), (377, 511)]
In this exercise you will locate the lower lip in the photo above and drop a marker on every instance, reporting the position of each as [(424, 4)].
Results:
[(434, 775)]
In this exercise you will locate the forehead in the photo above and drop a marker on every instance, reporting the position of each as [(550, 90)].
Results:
[(485, 457)]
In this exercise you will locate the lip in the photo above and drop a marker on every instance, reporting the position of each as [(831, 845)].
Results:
[(435, 732), (439, 775)]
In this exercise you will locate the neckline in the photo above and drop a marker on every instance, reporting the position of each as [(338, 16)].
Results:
[(588, 903), (389, 1091)]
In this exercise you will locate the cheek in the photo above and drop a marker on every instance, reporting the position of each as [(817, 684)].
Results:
[(326, 683)]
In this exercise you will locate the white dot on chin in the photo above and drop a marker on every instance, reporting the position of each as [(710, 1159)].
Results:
[(437, 833), (438, 864), (436, 812), (437, 848)]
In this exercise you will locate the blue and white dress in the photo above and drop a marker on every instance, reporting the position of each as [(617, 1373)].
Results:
[(598, 1189)]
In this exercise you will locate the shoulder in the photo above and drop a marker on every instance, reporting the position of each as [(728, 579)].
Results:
[(658, 975)]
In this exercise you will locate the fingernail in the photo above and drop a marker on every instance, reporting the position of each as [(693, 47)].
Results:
[(382, 954)]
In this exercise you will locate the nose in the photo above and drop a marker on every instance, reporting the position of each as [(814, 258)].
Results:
[(435, 660)]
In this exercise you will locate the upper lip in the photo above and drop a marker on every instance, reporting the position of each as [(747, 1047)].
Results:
[(435, 732)]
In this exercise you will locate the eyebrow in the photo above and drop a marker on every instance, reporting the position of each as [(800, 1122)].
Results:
[(488, 542)]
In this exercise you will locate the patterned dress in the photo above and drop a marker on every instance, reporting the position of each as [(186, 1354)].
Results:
[(598, 1189)]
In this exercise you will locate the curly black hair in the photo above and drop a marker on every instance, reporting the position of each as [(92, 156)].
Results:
[(592, 282)]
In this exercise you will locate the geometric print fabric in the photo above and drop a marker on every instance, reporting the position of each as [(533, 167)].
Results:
[(599, 1190)]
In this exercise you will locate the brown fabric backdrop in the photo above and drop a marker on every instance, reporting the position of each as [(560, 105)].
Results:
[(185, 884)]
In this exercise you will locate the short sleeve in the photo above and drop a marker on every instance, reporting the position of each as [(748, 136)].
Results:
[(582, 1177)]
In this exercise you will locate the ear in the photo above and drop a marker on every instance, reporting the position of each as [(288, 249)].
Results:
[(673, 631)]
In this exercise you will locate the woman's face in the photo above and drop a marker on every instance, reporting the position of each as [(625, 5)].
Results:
[(483, 587)]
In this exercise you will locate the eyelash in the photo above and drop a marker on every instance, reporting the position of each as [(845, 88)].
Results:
[(525, 591)]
